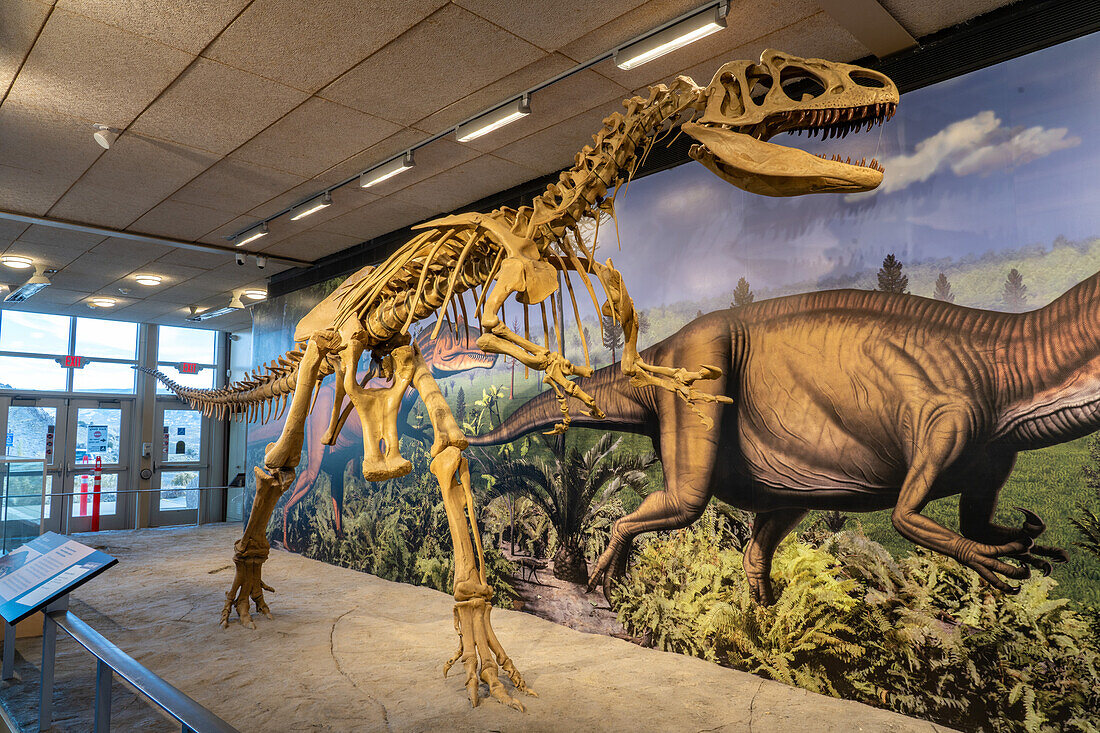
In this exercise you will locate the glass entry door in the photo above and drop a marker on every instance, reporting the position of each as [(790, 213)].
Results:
[(181, 463), (98, 432), (30, 430)]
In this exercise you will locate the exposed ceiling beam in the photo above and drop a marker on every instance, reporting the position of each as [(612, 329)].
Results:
[(73, 226), (871, 24)]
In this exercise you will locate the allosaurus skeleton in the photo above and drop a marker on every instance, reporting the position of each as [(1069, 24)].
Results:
[(523, 252)]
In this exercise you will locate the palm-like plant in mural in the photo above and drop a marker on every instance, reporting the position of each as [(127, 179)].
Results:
[(573, 488)]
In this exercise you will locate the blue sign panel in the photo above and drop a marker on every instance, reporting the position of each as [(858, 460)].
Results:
[(44, 569)]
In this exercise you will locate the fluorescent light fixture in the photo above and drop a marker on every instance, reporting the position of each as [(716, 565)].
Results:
[(234, 305), (675, 36), (255, 294), (105, 135), (312, 206), (494, 120), (252, 234), (102, 302), (386, 170), (17, 262), (29, 288), (148, 279)]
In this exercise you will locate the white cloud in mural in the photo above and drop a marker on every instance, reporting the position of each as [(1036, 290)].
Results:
[(977, 145)]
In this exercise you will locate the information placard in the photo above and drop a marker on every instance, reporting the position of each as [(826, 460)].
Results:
[(97, 438), (44, 569)]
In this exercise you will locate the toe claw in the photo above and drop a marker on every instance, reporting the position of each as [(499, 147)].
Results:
[(1033, 523)]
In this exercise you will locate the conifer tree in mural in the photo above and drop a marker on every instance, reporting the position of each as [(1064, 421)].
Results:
[(890, 277), (612, 336), (943, 290), (742, 295), (1015, 292)]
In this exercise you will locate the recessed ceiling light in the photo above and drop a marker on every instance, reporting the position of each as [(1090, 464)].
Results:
[(252, 234), (312, 206), (103, 302), (498, 118), (255, 294), (148, 279), (105, 135), (675, 36), (17, 262), (386, 170)]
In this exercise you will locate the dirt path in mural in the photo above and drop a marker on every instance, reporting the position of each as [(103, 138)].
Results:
[(565, 603)]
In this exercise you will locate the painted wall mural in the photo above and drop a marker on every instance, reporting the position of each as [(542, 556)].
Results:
[(989, 201)]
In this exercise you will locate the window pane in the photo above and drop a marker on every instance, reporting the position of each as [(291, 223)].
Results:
[(113, 339), (25, 493), (186, 344), (98, 432), (35, 333), (100, 377), (84, 488), (203, 380), (179, 490), (184, 430), (18, 372)]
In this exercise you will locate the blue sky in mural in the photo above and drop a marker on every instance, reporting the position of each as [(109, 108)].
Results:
[(998, 159)]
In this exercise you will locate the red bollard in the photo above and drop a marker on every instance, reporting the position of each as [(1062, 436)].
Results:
[(95, 495), (84, 491)]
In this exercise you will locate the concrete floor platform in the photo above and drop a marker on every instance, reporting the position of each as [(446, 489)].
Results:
[(348, 651)]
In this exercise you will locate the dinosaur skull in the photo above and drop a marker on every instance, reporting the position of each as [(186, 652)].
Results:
[(747, 103)]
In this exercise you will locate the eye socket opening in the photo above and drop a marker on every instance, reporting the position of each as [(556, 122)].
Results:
[(798, 83), (759, 86), (866, 80)]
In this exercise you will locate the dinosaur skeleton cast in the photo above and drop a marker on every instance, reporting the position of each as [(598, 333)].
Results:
[(526, 253)]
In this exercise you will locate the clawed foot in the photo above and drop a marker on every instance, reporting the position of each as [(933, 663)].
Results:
[(477, 646), (680, 381), (609, 568), (983, 558), (760, 585), (247, 584)]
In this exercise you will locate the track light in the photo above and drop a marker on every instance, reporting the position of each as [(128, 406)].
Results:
[(16, 262), (312, 206), (148, 279), (251, 235), (234, 305), (675, 36), (102, 303), (386, 170), (36, 282), (105, 135), (255, 294), (494, 120)]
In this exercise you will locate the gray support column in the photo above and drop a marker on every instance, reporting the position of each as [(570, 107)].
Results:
[(49, 654), (103, 677), (9, 650)]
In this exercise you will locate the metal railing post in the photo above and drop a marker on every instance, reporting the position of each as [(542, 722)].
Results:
[(103, 677), (49, 653), (9, 650)]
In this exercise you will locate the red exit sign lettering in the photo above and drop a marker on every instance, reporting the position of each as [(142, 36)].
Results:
[(73, 362), (187, 367)]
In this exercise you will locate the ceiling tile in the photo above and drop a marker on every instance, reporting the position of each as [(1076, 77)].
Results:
[(20, 21), (343, 200), (133, 177), (306, 44), (216, 107), (372, 156), (466, 183), (442, 59), (10, 230), (189, 25), (554, 147), (94, 71), (228, 277), (379, 217), (172, 273), (60, 237), (312, 245), (49, 298), (53, 257), (180, 220), (143, 310), (234, 185), (44, 152), (556, 23), (194, 258), (923, 18), (185, 293), (558, 102), (134, 254), (314, 137)]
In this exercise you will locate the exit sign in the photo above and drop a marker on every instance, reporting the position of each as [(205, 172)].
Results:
[(188, 367), (73, 362)]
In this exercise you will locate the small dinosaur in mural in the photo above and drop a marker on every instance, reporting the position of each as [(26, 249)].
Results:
[(524, 255), (856, 401), (445, 355)]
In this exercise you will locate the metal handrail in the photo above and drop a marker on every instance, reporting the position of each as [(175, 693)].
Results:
[(192, 715), (132, 491)]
